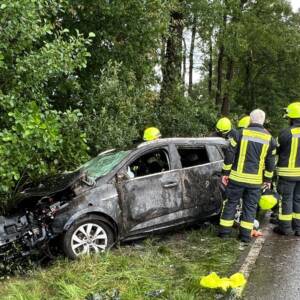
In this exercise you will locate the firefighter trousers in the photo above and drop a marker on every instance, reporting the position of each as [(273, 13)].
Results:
[(289, 205), (250, 197)]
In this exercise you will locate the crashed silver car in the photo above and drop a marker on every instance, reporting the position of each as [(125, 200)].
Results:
[(118, 196)]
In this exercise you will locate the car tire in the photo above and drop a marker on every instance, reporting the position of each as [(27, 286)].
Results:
[(88, 235)]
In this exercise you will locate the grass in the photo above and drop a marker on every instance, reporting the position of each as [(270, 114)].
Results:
[(165, 267)]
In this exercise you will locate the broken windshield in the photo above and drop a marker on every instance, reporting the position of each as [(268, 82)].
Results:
[(103, 164)]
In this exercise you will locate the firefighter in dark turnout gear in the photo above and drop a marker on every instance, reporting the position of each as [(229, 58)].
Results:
[(249, 163), (289, 174)]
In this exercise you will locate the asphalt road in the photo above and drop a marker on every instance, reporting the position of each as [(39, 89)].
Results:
[(276, 274)]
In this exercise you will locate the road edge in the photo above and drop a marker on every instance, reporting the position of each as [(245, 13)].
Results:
[(251, 258)]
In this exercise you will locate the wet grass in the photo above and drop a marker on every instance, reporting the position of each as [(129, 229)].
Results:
[(158, 268)]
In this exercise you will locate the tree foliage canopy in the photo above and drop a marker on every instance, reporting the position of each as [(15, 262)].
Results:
[(80, 76)]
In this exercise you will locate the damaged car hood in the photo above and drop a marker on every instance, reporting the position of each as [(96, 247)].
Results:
[(52, 185), (88, 172)]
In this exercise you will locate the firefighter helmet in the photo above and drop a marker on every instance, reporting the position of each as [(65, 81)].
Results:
[(293, 110), (151, 133), (224, 125), (268, 199), (244, 122)]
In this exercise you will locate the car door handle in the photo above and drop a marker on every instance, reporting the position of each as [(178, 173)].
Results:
[(170, 185)]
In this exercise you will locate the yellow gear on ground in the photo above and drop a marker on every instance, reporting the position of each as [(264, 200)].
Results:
[(151, 133), (224, 125), (244, 122), (213, 281), (237, 280), (293, 110)]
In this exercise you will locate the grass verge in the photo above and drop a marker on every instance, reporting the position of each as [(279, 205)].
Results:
[(163, 268)]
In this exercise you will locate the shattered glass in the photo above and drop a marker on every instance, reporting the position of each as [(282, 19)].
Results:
[(103, 164)]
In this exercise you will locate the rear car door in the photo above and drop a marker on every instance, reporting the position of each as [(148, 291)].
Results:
[(152, 192), (201, 167)]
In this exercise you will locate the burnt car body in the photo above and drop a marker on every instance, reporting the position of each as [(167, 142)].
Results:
[(119, 196)]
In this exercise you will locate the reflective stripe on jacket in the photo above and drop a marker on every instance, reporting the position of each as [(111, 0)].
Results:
[(289, 152), (250, 157)]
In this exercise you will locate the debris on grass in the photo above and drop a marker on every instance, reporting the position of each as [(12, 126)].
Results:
[(114, 295), (155, 294)]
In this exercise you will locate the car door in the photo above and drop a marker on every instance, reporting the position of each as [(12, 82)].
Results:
[(201, 173), (152, 197)]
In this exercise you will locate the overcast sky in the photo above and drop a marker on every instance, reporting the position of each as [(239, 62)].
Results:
[(295, 4)]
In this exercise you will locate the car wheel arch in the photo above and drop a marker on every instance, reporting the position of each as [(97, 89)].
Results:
[(99, 215)]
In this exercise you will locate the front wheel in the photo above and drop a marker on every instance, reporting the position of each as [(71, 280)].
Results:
[(89, 235)]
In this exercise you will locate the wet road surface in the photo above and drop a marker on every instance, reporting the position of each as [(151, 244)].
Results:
[(276, 274)]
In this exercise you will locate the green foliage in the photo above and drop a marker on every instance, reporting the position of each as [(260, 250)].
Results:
[(36, 139), (184, 116), (116, 112)]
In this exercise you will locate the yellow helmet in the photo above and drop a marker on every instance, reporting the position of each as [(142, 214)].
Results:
[(244, 122), (293, 110), (151, 133), (223, 125), (268, 200)]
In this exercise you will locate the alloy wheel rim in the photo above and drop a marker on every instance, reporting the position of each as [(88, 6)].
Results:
[(89, 238)]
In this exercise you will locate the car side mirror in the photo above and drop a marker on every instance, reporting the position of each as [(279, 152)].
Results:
[(121, 176)]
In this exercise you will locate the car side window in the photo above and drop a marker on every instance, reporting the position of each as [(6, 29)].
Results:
[(215, 153), (151, 163), (193, 156)]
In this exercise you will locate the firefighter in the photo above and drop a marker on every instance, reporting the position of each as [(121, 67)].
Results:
[(224, 129), (151, 134), (249, 163), (289, 174), (244, 122)]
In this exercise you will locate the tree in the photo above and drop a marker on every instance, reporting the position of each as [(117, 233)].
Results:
[(34, 52)]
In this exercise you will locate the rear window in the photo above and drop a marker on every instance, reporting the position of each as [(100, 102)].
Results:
[(193, 156)]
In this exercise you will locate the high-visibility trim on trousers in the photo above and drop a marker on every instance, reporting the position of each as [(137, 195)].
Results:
[(288, 217), (247, 225), (226, 223), (296, 216)]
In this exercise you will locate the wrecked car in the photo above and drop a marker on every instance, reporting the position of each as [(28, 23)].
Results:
[(118, 196)]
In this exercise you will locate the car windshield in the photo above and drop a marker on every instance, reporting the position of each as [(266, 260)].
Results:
[(103, 163)]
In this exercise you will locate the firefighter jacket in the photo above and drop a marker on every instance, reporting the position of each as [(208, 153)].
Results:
[(250, 157), (289, 152)]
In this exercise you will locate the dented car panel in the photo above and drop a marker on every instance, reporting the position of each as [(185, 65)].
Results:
[(148, 190), (201, 188)]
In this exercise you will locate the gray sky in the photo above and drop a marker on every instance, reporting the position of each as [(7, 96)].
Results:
[(295, 4)]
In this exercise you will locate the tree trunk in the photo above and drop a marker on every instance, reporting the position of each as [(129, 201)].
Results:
[(210, 67), (219, 75), (191, 56), (229, 75), (171, 70), (220, 63), (184, 61)]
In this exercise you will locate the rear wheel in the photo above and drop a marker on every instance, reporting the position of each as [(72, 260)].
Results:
[(89, 235)]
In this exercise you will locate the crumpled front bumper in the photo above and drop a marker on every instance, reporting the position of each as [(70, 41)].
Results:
[(12, 229)]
